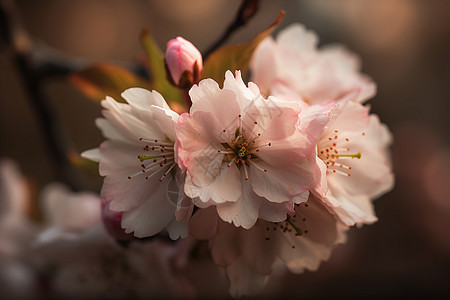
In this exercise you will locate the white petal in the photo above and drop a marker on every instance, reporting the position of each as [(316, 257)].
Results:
[(143, 99), (222, 104), (152, 216), (177, 230), (321, 232), (297, 38), (226, 186), (92, 154), (118, 163), (263, 65), (275, 212), (70, 211), (243, 212)]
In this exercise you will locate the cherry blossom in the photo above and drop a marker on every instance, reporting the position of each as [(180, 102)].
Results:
[(87, 262), (18, 278), (301, 242), (244, 154), (59, 205), (354, 158), (293, 64), (139, 163)]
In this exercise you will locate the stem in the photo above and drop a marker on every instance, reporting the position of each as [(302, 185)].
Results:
[(53, 135), (246, 11), (187, 98)]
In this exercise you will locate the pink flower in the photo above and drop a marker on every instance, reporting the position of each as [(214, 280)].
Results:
[(293, 63), (244, 153), (355, 163), (184, 62), (139, 163), (301, 242)]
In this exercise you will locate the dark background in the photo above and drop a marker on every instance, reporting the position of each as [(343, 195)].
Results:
[(403, 44)]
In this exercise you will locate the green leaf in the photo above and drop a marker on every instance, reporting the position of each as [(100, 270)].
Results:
[(103, 79), (235, 57), (157, 71)]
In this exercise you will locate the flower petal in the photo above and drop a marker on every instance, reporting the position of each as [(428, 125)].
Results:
[(150, 218), (243, 212)]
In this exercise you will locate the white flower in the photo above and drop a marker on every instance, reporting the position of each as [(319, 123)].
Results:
[(17, 278), (67, 214), (139, 163), (87, 262)]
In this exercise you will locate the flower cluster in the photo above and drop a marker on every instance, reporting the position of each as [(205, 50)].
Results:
[(274, 170)]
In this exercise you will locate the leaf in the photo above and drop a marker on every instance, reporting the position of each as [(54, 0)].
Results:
[(157, 70), (104, 79), (235, 57)]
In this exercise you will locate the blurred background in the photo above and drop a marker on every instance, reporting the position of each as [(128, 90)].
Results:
[(404, 46)]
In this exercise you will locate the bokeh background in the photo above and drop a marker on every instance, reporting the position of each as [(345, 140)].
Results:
[(403, 44)]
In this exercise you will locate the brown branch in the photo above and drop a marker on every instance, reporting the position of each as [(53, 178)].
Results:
[(17, 42), (246, 11)]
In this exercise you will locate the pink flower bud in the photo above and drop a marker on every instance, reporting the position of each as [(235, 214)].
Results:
[(184, 63)]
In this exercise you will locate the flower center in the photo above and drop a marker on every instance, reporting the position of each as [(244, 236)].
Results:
[(334, 150), (159, 161), (242, 150)]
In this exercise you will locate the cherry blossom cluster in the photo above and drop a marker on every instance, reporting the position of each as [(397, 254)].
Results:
[(273, 170)]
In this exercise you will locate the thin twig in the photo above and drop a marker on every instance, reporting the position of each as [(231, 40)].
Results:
[(246, 11), (20, 48)]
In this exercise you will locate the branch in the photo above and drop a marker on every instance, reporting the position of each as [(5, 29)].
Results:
[(15, 39), (246, 11)]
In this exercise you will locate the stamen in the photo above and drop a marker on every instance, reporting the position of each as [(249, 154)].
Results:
[(156, 141), (240, 125), (256, 166), (167, 172), (156, 165), (262, 146), (145, 157), (245, 172), (282, 234), (252, 139), (344, 166), (338, 171), (225, 152), (159, 147)]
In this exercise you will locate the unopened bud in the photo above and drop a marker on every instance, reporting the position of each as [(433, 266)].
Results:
[(184, 63), (112, 221)]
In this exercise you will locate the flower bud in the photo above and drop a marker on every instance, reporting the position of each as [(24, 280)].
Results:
[(112, 221), (184, 63)]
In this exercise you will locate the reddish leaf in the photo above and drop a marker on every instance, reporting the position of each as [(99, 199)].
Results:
[(103, 79)]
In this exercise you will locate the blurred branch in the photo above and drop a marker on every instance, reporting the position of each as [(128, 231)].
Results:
[(50, 63), (246, 11), (15, 40)]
